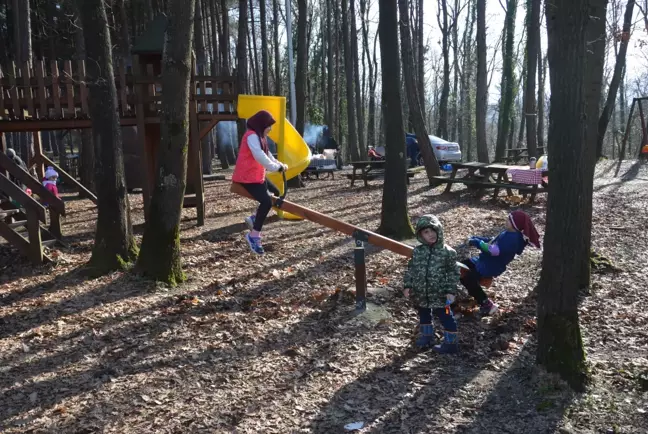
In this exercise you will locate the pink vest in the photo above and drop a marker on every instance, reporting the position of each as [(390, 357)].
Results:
[(248, 170)]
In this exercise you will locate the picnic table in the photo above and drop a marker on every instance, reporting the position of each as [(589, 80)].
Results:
[(483, 176), (318, 166), (371, 169)]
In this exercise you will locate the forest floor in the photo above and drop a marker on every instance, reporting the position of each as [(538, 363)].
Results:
[(271, 345)]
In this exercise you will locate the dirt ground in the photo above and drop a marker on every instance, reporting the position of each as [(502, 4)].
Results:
[(271, 345)]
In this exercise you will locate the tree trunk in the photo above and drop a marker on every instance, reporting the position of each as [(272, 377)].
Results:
[(482, 83), (394, 221), (160, 255), (87, 151), (329, 61), (442, 128), (215, 30), (619, 68), (255, 56), (508, 81), (542, 74), (371, 115), (560, 346), (421, 56), (409, 72), (224, 40), (594, 65), (23, 38), (302, 65), (264, 47), (362, 148), (533, 43), (114, 245), (348, 69), (275, 19), (241, 49), (125, 35), (199, 38)]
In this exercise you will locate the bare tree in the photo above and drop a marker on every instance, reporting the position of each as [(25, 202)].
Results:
[(533, 46), (482, 83), (394, 221), (114, 245)]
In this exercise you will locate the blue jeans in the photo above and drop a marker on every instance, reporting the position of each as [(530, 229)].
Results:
[(448, 321)]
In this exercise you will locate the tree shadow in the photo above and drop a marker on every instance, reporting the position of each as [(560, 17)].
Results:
[(108, 350)]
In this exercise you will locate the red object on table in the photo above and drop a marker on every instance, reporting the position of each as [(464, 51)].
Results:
[(525, 176)]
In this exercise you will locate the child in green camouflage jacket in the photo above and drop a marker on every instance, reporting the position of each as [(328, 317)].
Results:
[(431, 279)]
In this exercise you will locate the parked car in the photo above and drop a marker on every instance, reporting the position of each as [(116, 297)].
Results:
[(444, 151)]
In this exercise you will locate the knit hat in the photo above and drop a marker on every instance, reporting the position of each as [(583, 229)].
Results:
[(521, 222), (260, 121), (50, 173)]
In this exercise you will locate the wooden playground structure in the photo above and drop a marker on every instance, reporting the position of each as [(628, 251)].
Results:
[(42, 97)]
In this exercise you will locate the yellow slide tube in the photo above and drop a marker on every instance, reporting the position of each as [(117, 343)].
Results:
[(292, 150)]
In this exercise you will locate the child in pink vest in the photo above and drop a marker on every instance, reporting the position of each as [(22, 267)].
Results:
[(49, 182), (254, 159)]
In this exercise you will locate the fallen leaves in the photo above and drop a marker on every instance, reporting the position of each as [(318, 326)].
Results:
[(271, 344)]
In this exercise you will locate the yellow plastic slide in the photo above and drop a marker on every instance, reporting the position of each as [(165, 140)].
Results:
[(291, 147)]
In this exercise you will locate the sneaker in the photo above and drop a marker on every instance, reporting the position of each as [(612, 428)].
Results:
[(488, 308), (449, 344), (249, 221), (255, 244)]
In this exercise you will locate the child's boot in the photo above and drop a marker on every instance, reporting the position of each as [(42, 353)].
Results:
[(427, 336), (449, 345), (488, 307)]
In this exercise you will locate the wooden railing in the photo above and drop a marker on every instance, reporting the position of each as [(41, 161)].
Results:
[(59, 90), (56, 205)]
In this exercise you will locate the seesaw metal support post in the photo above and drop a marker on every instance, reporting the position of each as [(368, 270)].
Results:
[(360, 238)]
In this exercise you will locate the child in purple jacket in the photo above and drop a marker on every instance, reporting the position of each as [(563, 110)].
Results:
[(496, 253)]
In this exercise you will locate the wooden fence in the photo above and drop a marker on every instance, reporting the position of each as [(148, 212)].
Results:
[(59, 90)]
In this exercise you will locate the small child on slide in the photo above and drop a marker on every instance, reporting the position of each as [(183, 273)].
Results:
[(496, 254), (254, 159), (49, 181), (431, 279)]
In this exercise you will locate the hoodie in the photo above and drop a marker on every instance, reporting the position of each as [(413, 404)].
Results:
[(432, 272)]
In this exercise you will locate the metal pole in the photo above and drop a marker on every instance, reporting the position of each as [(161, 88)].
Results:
[(360, 276), (291, 67)]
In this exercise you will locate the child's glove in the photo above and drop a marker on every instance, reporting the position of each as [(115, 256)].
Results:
[(473, 241)]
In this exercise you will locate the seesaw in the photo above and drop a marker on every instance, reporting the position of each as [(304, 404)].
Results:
[(360, 236)]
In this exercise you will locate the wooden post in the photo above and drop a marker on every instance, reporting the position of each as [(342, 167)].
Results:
[(27, 90), (55, 224), (360, 272), (13, 89), (83, 89), (33, 231), (42, 95), (56, 89), (3, 150), (38, 154), (194, 168), (627, 132), (141, 135), (69, 88)]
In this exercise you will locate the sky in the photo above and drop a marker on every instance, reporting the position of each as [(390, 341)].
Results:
[(636, 61)]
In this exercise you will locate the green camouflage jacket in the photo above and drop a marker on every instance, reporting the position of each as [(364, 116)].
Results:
[(432, 272)]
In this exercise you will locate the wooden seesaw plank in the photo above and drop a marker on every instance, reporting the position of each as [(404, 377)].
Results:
[(335, 224)]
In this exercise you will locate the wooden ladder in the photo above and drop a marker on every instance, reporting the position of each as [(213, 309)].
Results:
[(26, 234)]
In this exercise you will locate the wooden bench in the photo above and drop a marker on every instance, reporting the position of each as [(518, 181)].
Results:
[(317, 171), (375, 174)]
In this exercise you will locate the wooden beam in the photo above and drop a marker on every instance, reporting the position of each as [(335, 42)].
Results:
[(335, 224), (208, 128)]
